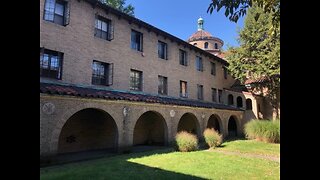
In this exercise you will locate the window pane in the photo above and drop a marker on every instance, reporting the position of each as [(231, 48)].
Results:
[(98, 24), (59, 9), (54, 65), (104, 26), (58, 19), (45, 62)]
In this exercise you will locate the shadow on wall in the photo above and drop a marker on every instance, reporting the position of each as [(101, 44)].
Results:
[(113, 168)]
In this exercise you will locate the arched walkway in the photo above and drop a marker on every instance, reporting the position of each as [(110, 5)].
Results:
[(88, 129), (215, 123), (232, 127), (189, 122), (150, 129)]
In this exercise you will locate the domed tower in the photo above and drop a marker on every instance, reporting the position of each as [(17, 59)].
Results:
[(204, 40)]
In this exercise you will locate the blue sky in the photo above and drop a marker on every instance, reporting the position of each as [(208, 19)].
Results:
[(179, 18)]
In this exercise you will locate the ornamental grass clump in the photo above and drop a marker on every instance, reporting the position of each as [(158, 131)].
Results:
[(263, 130), (212, 138), (186, 142)]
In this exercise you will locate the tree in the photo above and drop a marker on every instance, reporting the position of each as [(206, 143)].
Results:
[(258, 54), (119, 4), (237, 8)]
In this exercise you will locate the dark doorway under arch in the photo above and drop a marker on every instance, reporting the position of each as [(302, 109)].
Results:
[(150, 129), (88, 129), (189, 122), (232, 127), (213, 122)]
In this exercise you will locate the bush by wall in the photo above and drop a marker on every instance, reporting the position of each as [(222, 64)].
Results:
[(263, 130), (186, 142), (212, 138)]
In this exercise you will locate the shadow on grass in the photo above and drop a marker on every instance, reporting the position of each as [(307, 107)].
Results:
[(115, 167)]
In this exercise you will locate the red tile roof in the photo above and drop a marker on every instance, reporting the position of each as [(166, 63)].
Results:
[(90, 92)]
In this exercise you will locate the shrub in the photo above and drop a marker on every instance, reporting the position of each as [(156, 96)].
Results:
[(263, 130), (212, 138), (186, 142)]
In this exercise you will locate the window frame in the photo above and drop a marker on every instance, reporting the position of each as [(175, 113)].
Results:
[(65, 14), (137, 85), (162, 85), (213, 68), (214, 94), (185, 95), (108, 23), (200, 92), (199, 63), (139, 46), (184, 61), (164, 48), (50, 54), (108, 74)]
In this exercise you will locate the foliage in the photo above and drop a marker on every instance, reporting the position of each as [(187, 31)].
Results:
[(212, 138), (237, 8), (263, 130), (186, 142), (258, 54), (119, 4)]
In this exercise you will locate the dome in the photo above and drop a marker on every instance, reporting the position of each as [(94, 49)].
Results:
[(203, 35)]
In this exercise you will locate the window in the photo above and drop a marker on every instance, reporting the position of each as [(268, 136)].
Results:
[(195, 44), (214, 94), (199, 64), (57, 11), (103, 28), (50, 63), (206, 45), (136, 40), (200, 91), (183, 57), (135, 80), (220, 96), (225, 73), (163, 85), (102, 73), (183, 89), (162, 50), (239, 102), (230, 99), (248, 104), (216, 45), (213, 68)]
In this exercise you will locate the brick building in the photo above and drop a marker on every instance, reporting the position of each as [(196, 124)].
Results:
[(111, 81)]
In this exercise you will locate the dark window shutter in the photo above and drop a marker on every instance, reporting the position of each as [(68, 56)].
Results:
[(110, 74), (141, 41), (166, 51), (110, 31), (67, 14)]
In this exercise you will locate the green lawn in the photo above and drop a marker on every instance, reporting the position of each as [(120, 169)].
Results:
[(166, 164)]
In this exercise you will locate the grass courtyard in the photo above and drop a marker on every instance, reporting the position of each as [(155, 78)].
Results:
[(239, 159)]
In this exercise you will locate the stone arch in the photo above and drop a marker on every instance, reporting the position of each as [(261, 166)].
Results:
[(230, 99), (88, 129), (189, 122), (248, 104), (233, 126), (239, 102), (54, 139), (150, 129), (215, 122)]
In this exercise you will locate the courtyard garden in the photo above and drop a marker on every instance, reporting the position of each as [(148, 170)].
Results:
[(236, 159)]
